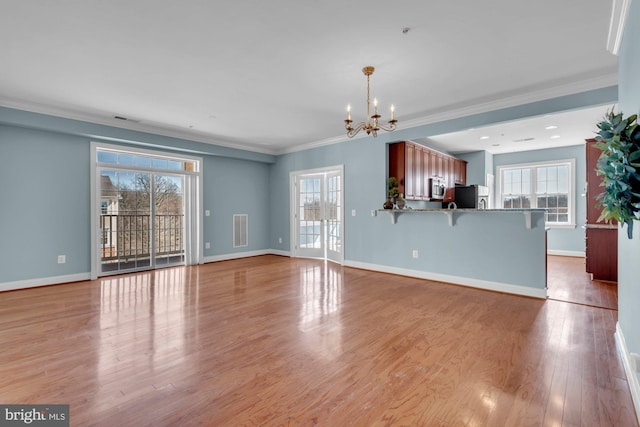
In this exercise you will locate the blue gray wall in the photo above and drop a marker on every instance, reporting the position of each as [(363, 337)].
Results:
[(629, 250), (45, 186), (44, 204), (477, 247), (233, 186), (559, 239), (44, 192), (479, 164)]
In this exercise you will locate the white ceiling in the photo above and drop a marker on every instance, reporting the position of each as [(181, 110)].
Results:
[(552, 130), (276, 76)]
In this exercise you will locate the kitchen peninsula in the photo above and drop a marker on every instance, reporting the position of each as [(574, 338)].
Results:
[(501, 250)]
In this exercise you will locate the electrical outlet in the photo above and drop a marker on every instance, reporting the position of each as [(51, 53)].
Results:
[(207, 212), (279, 239), (353, 212), (207, 245), (62, 259), (415, 253), (374, 212)]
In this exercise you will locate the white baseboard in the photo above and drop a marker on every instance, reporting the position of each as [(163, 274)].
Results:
[(579, 254), (238, 255), (43, 281), (56, 280), (464, 281), (629, 369), (281, 253)]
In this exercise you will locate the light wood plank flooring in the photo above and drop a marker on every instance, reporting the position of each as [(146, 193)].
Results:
[(568, 281), (273, 341)]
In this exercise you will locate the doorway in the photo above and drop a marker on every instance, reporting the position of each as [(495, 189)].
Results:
[(317, 215), (145, 213)]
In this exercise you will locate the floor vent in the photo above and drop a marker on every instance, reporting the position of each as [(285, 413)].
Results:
[(240, 230)]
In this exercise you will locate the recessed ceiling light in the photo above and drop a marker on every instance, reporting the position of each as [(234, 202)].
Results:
[(551, 127), (495, 145), (484, 137), (555, 136)]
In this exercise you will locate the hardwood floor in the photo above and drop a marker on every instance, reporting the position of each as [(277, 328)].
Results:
[(568, 281), (274, 341)]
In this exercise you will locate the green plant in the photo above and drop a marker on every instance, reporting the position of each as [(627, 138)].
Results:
[(392, 185), (619, 140)]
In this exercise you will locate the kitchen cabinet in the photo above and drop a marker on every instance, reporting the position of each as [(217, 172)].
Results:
[(410, 173), (428, 165), (601, 251), (413, 164), (460, 174)]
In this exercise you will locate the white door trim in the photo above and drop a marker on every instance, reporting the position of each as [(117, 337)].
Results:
[(293, 233), (192, 187)]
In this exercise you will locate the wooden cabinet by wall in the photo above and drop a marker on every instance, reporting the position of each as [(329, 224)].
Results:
[(428, 165), (460, 174), (601, 238), (414, 164)]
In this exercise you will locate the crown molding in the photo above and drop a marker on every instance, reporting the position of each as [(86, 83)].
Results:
[(484, 105), (133, 125), (513, 99), (472, 107), (619, 12)]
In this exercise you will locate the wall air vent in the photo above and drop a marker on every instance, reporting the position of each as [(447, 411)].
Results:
[(240, 230)]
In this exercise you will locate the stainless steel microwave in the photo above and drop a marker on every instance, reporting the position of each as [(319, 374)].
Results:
[(437, 188)]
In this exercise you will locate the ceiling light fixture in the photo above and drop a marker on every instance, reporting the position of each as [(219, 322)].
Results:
[(371, 126), (555, 136), (551, 127), (484, 137)]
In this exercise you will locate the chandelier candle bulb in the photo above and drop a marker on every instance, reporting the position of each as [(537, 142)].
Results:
[(348, 111), (392, 110)]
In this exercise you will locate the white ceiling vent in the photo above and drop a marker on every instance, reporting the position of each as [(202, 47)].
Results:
[(240, 230)]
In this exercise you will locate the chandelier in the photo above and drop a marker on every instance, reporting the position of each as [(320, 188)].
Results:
[(371, 126)]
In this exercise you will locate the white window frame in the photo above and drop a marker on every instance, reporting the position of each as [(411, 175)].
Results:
[(572, 187), (193, 208)]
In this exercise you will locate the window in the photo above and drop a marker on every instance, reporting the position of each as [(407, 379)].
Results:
[(548, 185), (145, 209), (142, 160)]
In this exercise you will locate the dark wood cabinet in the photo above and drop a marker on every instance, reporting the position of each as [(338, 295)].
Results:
[(460, 175), (428, 165), (601, 238), (413, 164)]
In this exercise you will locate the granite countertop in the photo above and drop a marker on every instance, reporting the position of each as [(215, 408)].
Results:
[(462, 210)]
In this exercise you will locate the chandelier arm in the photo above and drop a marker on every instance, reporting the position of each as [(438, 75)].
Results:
[(351, 132), (390, 128)]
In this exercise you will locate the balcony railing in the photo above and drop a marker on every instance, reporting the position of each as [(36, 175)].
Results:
[(128, 237)]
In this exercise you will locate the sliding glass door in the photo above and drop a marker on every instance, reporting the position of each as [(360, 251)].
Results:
[(147, 211), (141, 220), (168, 220)]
